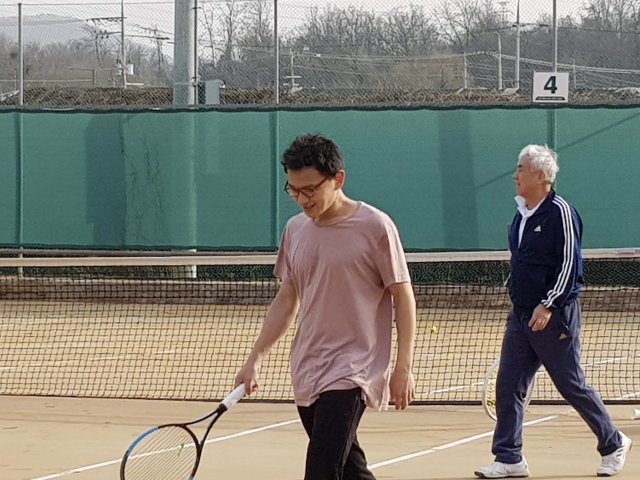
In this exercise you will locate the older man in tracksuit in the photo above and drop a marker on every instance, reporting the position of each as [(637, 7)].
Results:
[(543, 327)]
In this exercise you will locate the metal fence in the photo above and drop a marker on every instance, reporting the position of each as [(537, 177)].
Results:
[(138, 53)]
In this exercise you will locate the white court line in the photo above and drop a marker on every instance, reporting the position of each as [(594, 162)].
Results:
[(391, 461), (446, 446), (448, 389), (628, 395), (212, 440), (611, 360)]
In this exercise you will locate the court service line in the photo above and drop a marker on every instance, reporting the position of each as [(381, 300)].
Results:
[(95, 466), (446, 446)]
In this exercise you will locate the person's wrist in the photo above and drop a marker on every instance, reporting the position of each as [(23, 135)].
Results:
[(402, 369)]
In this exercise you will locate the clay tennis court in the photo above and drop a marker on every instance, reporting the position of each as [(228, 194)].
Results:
[(77, 439), (87, 364), (46, 438)]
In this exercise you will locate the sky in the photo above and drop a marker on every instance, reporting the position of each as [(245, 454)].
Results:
[(161, 11), (143, 15)]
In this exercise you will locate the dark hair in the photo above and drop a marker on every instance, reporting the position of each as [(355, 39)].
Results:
[(313, 151)]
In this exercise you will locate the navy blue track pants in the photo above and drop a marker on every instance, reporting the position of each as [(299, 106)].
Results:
[(557, 348)]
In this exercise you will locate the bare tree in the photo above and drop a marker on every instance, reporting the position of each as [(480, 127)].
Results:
[(612, 28), (458, 20), (223, 24), (233, 22), (334, 30), (617, 15), (8, 63), (409, 31), (208, 21), (257, 41), (260, 13)]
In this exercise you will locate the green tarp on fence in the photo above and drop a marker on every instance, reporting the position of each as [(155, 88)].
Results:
[(211, 179)]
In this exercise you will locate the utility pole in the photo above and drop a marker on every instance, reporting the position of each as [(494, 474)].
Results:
[(517, 69), (196, 62), (123, 55), (99, 32), (499, 62), (555, 37), (159, 37), (553, 128), (464, 61), (20, 69), (276, 43), (184, 55)]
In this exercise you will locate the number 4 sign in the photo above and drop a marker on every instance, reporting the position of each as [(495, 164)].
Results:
[(550, 87)]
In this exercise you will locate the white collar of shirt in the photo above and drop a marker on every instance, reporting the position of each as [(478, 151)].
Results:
[(525, 212), (522, 206)]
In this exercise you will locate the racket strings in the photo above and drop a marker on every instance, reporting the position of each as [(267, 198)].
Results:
[(168, 453), (491, 397), (489, 391)]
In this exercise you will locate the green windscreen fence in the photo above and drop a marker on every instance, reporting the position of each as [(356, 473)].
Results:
[(211, 179)]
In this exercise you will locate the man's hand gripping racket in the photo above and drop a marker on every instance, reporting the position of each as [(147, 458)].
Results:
[(171, 451)]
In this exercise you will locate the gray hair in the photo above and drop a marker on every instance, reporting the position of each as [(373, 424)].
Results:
[(542, 158)]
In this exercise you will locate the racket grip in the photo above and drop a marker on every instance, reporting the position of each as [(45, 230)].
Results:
[(234, 396)]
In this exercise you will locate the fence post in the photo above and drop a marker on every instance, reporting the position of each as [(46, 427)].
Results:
[(20, 72)]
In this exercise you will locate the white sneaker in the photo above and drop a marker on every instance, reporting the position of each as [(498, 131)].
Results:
[(614, 462), (504, 470)]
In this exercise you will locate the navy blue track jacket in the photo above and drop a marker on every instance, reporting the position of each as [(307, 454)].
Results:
[(547, 266)]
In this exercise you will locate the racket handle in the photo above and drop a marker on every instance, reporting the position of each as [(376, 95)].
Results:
[(234, 396)]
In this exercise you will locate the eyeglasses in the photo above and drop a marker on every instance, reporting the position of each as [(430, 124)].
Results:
[(307, 192)]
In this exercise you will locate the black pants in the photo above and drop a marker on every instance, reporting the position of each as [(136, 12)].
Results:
[(331, 423)]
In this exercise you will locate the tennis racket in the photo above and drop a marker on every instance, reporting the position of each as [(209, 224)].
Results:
[(489, 390), (171, 451)]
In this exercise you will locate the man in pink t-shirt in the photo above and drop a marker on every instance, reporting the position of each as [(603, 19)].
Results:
[(343, 271)]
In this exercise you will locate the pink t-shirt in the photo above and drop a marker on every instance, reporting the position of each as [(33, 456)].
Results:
[(340, 273)]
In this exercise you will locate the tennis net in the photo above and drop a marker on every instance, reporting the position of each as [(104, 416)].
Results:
[(179, 327)]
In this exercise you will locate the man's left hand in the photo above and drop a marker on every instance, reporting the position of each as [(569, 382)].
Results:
[(402, 387)]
